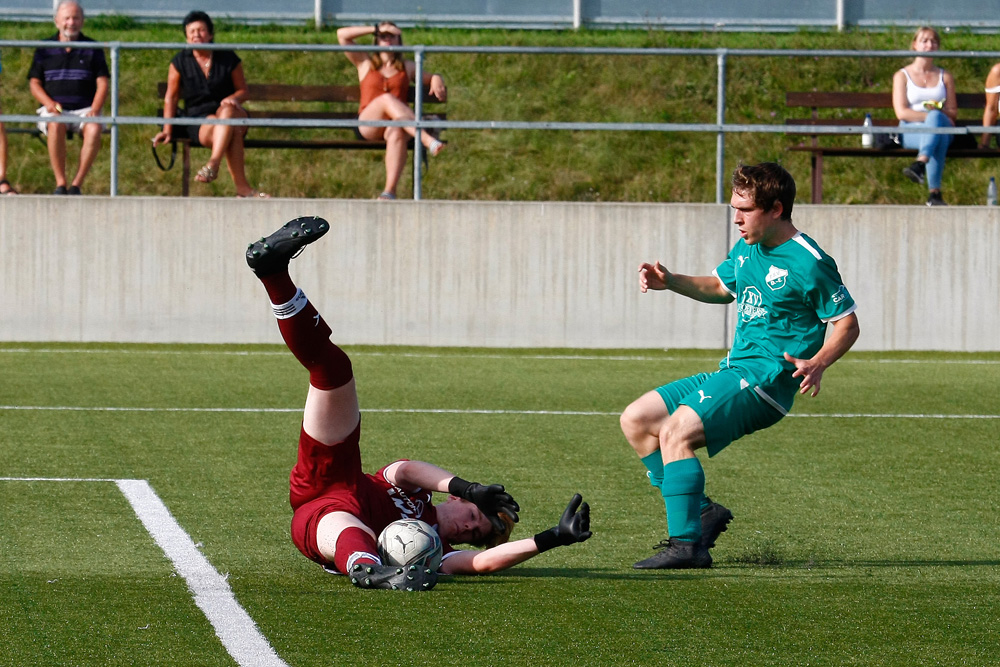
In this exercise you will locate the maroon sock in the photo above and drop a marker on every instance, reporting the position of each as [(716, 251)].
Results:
[(308, 337), (279, 286), (354, 546)]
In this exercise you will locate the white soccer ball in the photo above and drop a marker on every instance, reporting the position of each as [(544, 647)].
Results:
[(410, 542)]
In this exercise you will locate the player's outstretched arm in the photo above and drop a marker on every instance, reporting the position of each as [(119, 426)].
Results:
[(573, 527), (845, 331), (707, 289), (491, 500), (410, 475)]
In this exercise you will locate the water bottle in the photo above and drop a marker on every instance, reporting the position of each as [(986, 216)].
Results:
[(991, 192), (866, 139)]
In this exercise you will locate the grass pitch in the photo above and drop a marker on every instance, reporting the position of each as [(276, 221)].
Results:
[(865, 531)]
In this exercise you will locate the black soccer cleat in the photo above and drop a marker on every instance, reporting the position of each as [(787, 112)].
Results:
[(409, 578), (674, 554), (272, 254), (714, 520)]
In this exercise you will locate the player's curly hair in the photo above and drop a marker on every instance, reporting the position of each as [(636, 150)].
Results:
[(766, 184), (497, 537)]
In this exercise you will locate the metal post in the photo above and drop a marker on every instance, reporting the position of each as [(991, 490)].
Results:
[(115, 52), (840, 15), (577, 14), (720, 139), (318, 13), (418, 110)]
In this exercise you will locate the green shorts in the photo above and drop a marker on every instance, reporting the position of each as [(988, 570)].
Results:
[(728, 405)]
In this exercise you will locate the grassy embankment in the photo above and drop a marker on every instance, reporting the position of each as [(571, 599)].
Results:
[(533, 165)]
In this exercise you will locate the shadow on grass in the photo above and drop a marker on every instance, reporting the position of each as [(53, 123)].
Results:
[(721, 569), (618, 574), (811, 564)]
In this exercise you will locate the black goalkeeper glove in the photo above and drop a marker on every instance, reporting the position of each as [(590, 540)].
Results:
[(573, 527), (491, 500)]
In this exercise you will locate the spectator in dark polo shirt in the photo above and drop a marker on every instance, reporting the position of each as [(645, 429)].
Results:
[(70, 82)]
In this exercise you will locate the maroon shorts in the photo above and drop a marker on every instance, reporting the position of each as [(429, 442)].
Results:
[(326, 478)]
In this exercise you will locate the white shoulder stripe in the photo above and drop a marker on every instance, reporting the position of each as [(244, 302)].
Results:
[(715, 273), (798, 238), (841, 315)]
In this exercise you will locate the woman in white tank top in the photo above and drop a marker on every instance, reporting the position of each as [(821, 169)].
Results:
[(992, 98), (923, 95)]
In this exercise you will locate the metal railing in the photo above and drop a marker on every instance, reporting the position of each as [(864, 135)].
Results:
[(720, 128)]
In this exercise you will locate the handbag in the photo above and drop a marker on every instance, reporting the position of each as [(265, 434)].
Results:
[(178, 113)]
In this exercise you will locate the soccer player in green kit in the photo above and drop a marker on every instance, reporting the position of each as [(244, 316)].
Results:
[(787, 291)]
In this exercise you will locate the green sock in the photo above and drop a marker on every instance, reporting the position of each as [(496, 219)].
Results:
[(683, 489), (654, 464), (704, 502)]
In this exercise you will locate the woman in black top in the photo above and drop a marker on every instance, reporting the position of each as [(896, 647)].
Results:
[(213, 86)]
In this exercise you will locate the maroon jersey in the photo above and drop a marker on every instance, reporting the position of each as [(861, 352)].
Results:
[(384, 503), (329, 479)]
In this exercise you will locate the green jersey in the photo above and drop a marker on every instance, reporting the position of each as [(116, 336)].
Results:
[(785, 296)]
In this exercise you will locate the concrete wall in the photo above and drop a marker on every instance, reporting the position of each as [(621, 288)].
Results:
[(490, 274)]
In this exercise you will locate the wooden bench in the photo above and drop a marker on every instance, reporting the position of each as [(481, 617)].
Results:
[(963, 146), (34, 132), (30, 131), (279, 100)]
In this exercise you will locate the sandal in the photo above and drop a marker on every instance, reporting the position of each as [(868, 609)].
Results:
[(206, 174), (254, 194), (436, 147), (9, 190)]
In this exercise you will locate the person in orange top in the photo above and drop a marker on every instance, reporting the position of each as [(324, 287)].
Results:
[(385, 84)]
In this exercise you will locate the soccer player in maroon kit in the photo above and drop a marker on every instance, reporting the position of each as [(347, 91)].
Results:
[(339, 511)]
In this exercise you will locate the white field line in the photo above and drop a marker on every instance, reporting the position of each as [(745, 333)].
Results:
[(447, 411), (714, 358), (212, 594)]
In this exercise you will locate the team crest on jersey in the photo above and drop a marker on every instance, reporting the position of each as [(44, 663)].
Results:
[(776, 278), (750, 305)]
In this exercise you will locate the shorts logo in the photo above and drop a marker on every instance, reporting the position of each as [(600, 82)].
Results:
[(703, 396), (750, 305), (776, 278)]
